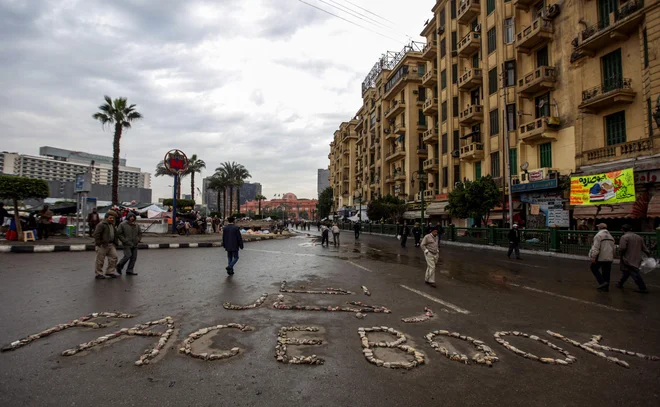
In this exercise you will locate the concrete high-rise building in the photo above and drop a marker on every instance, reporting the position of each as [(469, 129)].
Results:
[(249, 190), (322, 180), (558, 87), (78, 156)]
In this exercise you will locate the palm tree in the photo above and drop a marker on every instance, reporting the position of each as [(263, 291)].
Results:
[(162, 171), (195, 165), (219, 183), (236, 174), (241, 175), (259, 198), (120, 114)]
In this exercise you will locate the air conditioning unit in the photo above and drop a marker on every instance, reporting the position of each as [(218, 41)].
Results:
[(415, 92), (455, 153), (552, 11), (441, 29), (554, 121)]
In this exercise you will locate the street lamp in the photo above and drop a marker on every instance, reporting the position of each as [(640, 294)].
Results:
[(359, 197), (420, 176)]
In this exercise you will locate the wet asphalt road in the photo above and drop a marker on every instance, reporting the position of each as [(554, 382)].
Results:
[(39, 291)]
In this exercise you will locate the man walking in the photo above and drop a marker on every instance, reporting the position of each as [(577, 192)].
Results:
[(335, 234), (356, 228), (105, 239), (232, 240), (417, 234), (325, 234), (431, 253), (45, 217), (631, 247), (93, 219), (130, 234), (514, 241), (602, 256), (405, 232)]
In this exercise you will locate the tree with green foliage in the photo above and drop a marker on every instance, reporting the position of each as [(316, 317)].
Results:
[(219, 183), (180, 203), (236, 174), (195, 166), (20, 188), (386, 208), (259, 198), (474, 199), (120, 114), (325, 203)]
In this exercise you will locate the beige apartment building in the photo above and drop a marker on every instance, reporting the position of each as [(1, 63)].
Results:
[(569, 86)]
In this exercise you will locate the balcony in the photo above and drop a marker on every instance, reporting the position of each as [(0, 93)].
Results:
[(537, 131), (400, 128), (396, 107), (540, 32), (390, 134), (430, 78), (431, 165), (620, 25), (472, 152), (431, 106), (429, 194), (430, 136), (346, 151), (467, 11), (470, 80), (398, 152), (472, 115), (539, 81), (524, 4), (422, 151), (615, 91), (421, 125), (430, 50), (630, 149), (389, 179), (469, 44), (399, 176)]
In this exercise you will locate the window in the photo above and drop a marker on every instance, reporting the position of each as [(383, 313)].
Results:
[(443, 47), (612, 71), (538, 9), (509, 28), (421, 93), (495, 164), (442, 17), (453, 8), (615, 128), (454, 107), (477, 170), (511, 117), (454, 73), (545, 153), (444, 144), (475, 96), (542, 104), (510, 73), (650, 116), (513, 160), (421, 70), (454, 41), (542, 58), (457, 173), (445, 177), (490, 6), (443, 79), (605, 7), (455, 140), (444, 111), (475, 60), (492, 81), (494, 122), (421, 118), (492, 40), (646, 49)]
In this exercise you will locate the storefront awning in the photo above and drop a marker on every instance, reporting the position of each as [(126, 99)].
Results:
[(653, 210), (436, 208), (498, 215), (411, 215), (618, 211)]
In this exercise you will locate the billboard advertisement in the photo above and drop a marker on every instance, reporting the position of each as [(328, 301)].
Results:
[(601, 189)]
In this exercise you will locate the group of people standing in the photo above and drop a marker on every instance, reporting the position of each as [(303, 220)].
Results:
[(106, 238)]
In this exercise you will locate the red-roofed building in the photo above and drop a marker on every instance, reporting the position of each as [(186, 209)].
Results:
[(295, 208)]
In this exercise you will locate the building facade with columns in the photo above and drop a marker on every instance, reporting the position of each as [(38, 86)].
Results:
[(289, 204)]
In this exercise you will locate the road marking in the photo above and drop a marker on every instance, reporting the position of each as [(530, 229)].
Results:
[(568, 298), (278, 252), (358, 266), (523, 264), (438, 300)]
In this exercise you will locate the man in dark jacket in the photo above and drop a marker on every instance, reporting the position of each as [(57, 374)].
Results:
[(105, 239), (93, 219), (405, 232), (232, 242), (130, 234), (417, 234), (356, 228), (631, 247), (514, 241)]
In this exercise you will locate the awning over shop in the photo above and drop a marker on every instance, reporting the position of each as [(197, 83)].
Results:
[(411, 215), (436, 209), (618, 211), (498, 215)]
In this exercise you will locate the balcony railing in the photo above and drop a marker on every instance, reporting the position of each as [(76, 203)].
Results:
[(619, 24), (422, 151), (469, 44), (538, 81), (430, 50), (430, 78), (430, 135), (630, 149), (431, 164), (429, 193), (539, 32), (431, 105), (467, 11), (400, 151), (471, 79), (472, 152), (400, 128), (537, 131), (615, 90), (471, 116), (400, 175), (395, 107)]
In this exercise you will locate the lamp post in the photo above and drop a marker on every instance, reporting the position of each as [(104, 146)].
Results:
[(420, 176)]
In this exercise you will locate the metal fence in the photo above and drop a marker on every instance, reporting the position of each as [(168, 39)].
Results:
[(577, 242)]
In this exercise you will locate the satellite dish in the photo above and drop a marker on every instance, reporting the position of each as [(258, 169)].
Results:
[(524, 166)]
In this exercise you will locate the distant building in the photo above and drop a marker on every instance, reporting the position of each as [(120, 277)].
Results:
[(79, 156), (249, 191), (186, 196), (65, 190), (289, 204), (323, 180)]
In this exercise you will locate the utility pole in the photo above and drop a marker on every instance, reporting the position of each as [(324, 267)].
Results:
[(506, 152)]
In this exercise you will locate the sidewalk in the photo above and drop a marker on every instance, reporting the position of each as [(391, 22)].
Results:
[(149, 241)]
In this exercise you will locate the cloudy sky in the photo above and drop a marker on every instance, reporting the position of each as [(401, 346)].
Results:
[(261, 82)]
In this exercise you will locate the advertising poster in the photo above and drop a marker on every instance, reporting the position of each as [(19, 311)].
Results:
[(609, 188)]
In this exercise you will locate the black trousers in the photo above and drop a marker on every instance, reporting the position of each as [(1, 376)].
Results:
[(325, 239), (404, 239), (43, 230), (514, 247), (636, 276), (357, 234), (603, 278)]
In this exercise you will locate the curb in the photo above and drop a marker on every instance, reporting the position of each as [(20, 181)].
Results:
[(141, 246)]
